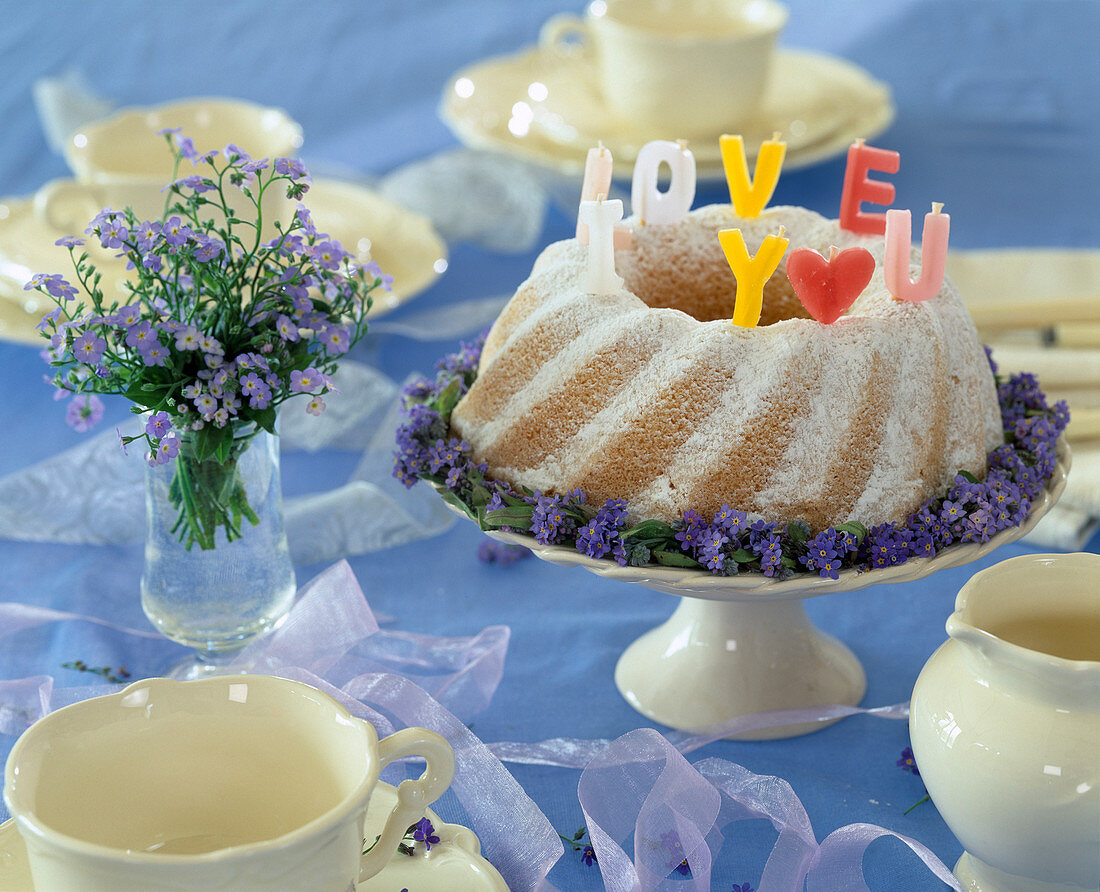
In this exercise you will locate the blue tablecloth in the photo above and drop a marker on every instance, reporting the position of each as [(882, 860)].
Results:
[(998, 115)]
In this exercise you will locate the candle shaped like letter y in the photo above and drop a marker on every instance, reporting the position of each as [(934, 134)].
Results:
[(600, 217), (648, 203), (750, 198), (933, 254), (751, 272)]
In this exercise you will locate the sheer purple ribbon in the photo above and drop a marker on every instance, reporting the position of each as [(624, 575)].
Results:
[(639, 784)]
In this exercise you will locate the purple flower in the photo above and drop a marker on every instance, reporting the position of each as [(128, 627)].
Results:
[(195, 182), (207, 248), (175, 232), (113, 231), (317, 405), (733, 522), (691, 530), (89, 347), (153, 354), (158, 425), (588, 855), (907, 762), (548, 522), (84, 412), (55, 285), (233, 153), (168, 449), (140, 335), (425, 833), (187, 338), (742, 887), (153, 262), (187, 147), (336, 338), (290, 167), (490, 551), (711, 548), (327, 254), (305, 381), (69, 241), (670, 842)]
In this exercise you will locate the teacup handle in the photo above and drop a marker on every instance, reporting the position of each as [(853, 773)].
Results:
[(66, 205), (413, 796), (556, 33)]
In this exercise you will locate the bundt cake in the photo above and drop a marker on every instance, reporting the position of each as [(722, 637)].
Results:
[(649, 394)]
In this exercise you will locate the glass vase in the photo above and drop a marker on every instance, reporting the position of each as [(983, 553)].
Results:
[(217, 568)]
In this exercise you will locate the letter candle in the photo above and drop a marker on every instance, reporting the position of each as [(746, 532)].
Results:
[(933, 256), (749, 199), (600, 216), (751, 272), (827, 287), (598, 167), (649, 204), (858, 187)]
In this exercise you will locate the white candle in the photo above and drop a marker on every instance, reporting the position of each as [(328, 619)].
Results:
[(600, 217), (650, 205)]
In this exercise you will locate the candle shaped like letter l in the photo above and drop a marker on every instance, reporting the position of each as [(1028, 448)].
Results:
[(933, 256), (600, 217)]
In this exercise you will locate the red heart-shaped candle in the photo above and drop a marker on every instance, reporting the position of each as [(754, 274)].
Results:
[(828, 287)]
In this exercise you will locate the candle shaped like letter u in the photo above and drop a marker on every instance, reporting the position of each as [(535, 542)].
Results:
[(600, 217), (933, 257), (649, 204)]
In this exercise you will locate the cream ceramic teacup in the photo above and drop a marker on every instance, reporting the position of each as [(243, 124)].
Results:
[(226, 783), (1005, 724), (120, 161), (683, 67)]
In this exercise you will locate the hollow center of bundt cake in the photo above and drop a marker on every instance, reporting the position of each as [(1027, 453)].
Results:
[(683, 267)]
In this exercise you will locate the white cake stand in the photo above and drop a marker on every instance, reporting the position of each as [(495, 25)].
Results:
[(744, 644)]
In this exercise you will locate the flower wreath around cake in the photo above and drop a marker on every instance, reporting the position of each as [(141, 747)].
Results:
[(1007, 461)]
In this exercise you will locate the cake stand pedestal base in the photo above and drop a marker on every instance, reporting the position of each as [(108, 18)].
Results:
[(715, 660)]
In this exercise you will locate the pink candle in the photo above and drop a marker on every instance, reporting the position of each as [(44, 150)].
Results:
[(650, 205), (827, 287), (858, 188), (598, 166), (933, 256)]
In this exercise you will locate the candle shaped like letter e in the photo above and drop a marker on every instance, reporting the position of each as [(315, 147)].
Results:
[(600, 217), (751, 272), (933, 254), (858, 188)]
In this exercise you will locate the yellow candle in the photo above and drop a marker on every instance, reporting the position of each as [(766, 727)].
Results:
[(751, 272), (750, 198)]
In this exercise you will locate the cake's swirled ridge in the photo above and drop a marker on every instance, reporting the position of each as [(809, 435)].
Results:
[(727, 542)]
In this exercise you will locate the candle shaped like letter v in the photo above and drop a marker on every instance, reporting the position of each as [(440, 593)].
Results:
[(750, 198), (751, 272), (933, 254), (600, 217), (598, 167)]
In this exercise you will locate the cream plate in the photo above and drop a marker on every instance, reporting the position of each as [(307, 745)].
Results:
[(404, 243), (543, 106), (455, 862)]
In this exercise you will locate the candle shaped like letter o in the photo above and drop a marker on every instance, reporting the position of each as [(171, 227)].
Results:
[(933, 254), (600, 217), (751, 272), (649, 204), (858, 188), (750, 198)]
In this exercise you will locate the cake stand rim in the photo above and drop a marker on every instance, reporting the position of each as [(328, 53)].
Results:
[(756, 587)]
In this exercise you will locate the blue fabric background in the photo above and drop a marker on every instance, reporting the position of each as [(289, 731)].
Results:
[(998, 115)]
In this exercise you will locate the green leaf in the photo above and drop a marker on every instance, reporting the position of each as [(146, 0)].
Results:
[(649, 529), (451, 499), (854, 527), (674, 559), (265, 418), (743, 556), (970, 478), (798, 532), (510, 517), (447, 399)]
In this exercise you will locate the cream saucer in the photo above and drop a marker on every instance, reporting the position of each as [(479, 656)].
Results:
[(404, 243), (454, 862), (543, 106)]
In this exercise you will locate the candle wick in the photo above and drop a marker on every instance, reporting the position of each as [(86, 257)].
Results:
[(782, 231), (937, 206), (775, 136), (833, 251), (859, 141), (683, 144), (600, 197)]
